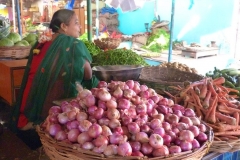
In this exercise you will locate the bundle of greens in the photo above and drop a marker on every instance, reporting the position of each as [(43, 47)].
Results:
[(157, 42)]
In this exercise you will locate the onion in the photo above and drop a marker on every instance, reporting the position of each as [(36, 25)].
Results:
[(63, 118), (131, 112), (114, 123), (155, 140), (136, 88), (153, 113), (83, 137), (128, 93), (175, 149), (195, 121), (202, 137), (118, 130), (160, 131), (54, 129), (136, 100), (145, 128), (118, 93), (102, 104), (84, 93), (123, 103), (130, 84), (149, 106), (102, 84), (153, 92), (113, 113), (103, 121), (115, 138), (162, 151), (72, 124), (166, 126), (89, 100), (195, 144), (178, 107), (163, 101), (162, 109), (73, 135), (103, 95), (170, 102), (177, 141), (106, 131), (172, 118), (98, 114), (81, 116), (92, 119), (155, 98), (94, 91), (136, 146), (111, 104), (53, 118), (182, 126), (144, 94), (141, 137), (155, 123), (110, 150), (202, 128), (143, 87), (84, 125), (189, 112), (71, 115), (167, 139), (137, 153), (91, 110), (133, 127), (186, 146), (54, 110), (178, 113), (141, 109), (124, 149), (100, 149), (186, 120), (146, 149), (126, 119), (88, 145), (100, 140), (172, 135), (61, 135), (194, 130), (94, 130), (186, 135)]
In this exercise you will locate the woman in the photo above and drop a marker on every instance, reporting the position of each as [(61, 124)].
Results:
[(52, 73)]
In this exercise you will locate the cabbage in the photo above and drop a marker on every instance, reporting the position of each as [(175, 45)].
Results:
[(15, 37), (31, 37), (22, 43), (6, 42)]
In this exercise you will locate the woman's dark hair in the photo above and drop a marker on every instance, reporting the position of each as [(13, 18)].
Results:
[(59, 17)]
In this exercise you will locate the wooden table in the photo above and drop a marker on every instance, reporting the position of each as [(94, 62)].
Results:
[(11, 74)]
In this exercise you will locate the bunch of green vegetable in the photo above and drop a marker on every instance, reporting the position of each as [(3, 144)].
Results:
[(157, 42), (93, 49), (118, 57)]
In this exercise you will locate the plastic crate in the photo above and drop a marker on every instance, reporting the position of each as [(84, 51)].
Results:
[(224, 156)]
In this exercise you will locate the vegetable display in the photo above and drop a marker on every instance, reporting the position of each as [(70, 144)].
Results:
[(118, 57), (126, 119), (179, 66), (212, 102), (93, 49)]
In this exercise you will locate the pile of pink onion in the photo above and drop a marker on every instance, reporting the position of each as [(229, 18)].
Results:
[(126, 119)]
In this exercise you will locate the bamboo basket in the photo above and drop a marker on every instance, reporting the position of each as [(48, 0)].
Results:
[(17, 52), (162, 79), (225, 146), (64, 151)]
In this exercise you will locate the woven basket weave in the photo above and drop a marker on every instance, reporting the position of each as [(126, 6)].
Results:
[(17, 52), (161, 79), (225, 146), (64, 151)]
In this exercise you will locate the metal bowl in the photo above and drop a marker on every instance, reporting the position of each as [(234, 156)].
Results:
[(117, 72)]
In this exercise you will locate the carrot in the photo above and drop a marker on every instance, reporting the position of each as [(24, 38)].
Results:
[(213, 126), (233, 96), (232, 137), (232, 90), (211, 88), (174, 87), (191, 86), (217, 139), (231, 109), (191, 106), (228, 119), (210, 116), (224, 138), (169, 94), (236, 116), (227, 127), (227, 133), (204, 90), (219, 80), (199, 106), (197, 90), (206, 100)]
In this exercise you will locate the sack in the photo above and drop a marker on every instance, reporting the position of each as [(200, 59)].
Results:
[(140, 38)]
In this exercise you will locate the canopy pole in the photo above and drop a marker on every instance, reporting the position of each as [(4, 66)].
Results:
[(89, 20), (18, 17), (171, 32), (97, 18)]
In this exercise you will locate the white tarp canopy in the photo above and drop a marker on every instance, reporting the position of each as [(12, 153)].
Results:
[(126, 5)]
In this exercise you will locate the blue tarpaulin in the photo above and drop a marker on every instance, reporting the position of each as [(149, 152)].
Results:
[(70, 5)]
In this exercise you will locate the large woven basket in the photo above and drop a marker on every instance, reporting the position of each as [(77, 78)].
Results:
[(64, 151), (108, 43), (17, 52), (162, 79), (225, 146)]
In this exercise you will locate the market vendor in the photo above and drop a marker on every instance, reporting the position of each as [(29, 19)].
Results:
[(55, 64)]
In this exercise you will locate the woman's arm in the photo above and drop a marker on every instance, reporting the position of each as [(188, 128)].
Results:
[(87, 71)]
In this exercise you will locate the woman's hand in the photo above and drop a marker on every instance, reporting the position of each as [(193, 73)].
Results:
[(87, 71)]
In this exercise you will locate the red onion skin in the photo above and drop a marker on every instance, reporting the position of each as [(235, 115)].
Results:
[(126, 120), (104, 95), (133, 127), (111, 104), (115, 138), (145, 128), (195, 121), (155, 98), (123, 103), (84, 125), (113, 113), (84, 93), (189, 112), (166, 126), (118, 130), (162, 151), (94, 130), (102, 104), (174, 149), (146, 148), (100, 140), (136, 100), (61, 135), (72, 124), (186, 146), (160, 131), (114, 123), (195, 144), (92, 109), (141, 137), (163, 101), (110, 150), (103, 121), (88, 145), (162, 109), (81, 116), (172, 134), (102, 84), (155, 140), (186, 135), (53, 118), (106, 131), (178, 107), (98, 113), (172, 118), (136, 146), (54, 129), (202, 128), (131, 112), (83, 137), (194, 130), (54, 110), (153, 113), (128, 93), (130, 84), (73, 135), (89, 100), (186, 120), (144, 94), (155, 123), (167, 139), (118, 93), (141, 109), (177, 141), (124, 149), (202, 137), (137, 153), (62, 118), (182, 126), (178, 113)]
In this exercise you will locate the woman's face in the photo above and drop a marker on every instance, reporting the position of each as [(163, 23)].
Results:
[(73, 28)]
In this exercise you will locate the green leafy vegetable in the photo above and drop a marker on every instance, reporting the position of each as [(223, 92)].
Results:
[(93, 49)]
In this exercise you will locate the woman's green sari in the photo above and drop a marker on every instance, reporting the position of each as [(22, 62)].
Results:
[(61, 67)]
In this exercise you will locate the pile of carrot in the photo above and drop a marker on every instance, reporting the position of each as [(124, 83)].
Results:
[(213, 103)]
